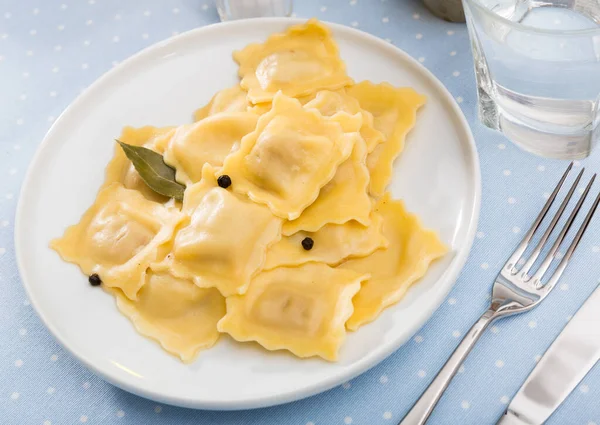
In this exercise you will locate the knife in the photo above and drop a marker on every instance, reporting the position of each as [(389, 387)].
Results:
[(563, 366)]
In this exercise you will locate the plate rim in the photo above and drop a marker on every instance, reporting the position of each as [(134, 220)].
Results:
[(450, 274)]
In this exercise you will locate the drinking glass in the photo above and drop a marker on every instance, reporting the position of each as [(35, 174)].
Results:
[(537, 65), (242, 9)]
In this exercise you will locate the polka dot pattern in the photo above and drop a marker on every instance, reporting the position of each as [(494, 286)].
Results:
[(49, 53)]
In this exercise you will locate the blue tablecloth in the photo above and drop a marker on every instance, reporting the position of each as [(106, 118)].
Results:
[(51, 50)]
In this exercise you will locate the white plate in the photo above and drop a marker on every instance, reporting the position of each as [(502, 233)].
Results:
[(437, 176)]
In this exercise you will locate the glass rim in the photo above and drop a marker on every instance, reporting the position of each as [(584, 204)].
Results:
[(528, 28)]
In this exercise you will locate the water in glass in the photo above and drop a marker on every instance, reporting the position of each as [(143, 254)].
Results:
[(537, 65)]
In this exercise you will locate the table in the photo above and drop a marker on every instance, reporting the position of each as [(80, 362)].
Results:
[(52, 50)]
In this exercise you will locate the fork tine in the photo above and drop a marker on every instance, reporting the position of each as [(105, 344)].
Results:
[(563, 264), (512, 261), (538, 249), (537, 277)]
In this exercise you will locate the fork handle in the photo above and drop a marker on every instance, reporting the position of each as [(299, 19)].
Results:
[(420, 412)]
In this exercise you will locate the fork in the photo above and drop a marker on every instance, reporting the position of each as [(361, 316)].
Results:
[(515, 290)]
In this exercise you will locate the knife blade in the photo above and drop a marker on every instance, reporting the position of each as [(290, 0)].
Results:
[(563, 366)]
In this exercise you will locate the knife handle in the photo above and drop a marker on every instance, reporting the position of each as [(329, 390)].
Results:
[(422, 409), (509, 418)]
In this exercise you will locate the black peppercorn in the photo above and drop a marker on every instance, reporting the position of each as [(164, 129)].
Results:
[(95, 280), (307, 243), (224, 181)]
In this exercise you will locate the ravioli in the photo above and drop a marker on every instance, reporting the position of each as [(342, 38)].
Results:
[(289, 157), (224, 241), (300, 309), (394, 269), (175, 312), (118, 237), (333, 243), (343, 199), (331, 102), (232, 99), (121, 170), (208, 141), (395, 112), (300, 61)]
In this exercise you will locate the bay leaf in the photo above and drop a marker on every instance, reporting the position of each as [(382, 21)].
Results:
[(154, 172)]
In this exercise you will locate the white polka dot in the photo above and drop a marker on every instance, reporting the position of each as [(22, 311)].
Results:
[(591, 423), (204, 7), (387, 415), (84, 66), (452, 301), (5, 222), (89, 22), (485, 266), (419, 36), (383, 379), (584, 389), (450, 32), (456, 73), (354, 23), (63, 6), (596, 248), (347, 420), (32, 32), (2, 251), (18, 363), (145, 36), (465, 404), (53, 358), (504, 399), (53, 94), (57, 48), (499, 363), (564, 287), (541, 168), (47, 422), (29, 52), (516, 229), (456, 334), (51, 118), (92, 1), (421, 59), (532, 324), (310, 423), (86, 385), (453, 53), (120, 413), (55, 69), (353, 2), (418, 339), (7, 15), (512, 200), (495, 329), (9, 196), (157, 409), (545, 195), (459, 99), (86, 42), (51, 390), (385, 19), (23, 96), (147, 13), (36, 11), (416, 16), (537, 358), (3, 36), (60, 27), (26, 302), (421, 373), (461, 369), (576, 163), (346, 385), (83, 419), (480, 235), (506, 172), (116, 39), (22, 331), (14, 395), (501, 146)]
